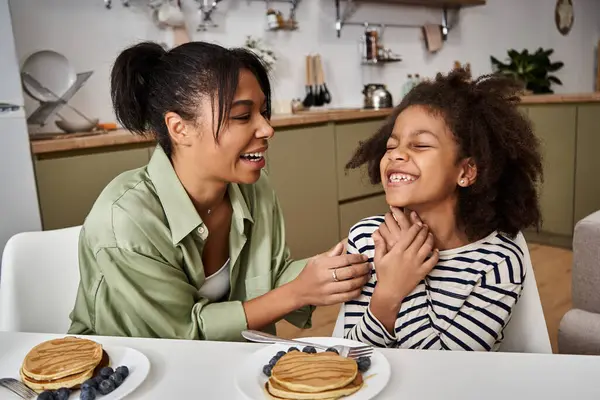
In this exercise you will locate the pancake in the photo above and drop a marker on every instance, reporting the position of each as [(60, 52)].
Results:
[(71, 381), (277, 392), (60, 358), (313, 373)]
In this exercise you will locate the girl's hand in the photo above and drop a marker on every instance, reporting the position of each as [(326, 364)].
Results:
[(332, 277), (404, 255)]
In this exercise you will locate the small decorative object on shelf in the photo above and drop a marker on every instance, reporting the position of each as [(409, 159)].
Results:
[(275, 19), (262, 50), (372, 51)]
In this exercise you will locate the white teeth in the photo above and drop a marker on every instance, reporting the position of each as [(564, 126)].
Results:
[(254, 155), (395, 177)]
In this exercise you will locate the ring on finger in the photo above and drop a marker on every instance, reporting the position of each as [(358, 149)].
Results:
[(334, 275)]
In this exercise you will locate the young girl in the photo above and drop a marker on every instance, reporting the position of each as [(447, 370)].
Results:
[(459, 164)]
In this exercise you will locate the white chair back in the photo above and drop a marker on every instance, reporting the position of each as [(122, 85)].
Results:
[(526, 332), (40, 276)]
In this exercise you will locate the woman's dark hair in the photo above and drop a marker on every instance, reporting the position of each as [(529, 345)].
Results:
[(147, 82), (487, 125)]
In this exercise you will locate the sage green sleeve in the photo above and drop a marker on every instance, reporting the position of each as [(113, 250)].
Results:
[(141, 296), (286, 269)]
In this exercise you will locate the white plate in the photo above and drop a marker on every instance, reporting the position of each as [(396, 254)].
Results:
[(52, 70), (250, 379), (138, 364), (139, 367)]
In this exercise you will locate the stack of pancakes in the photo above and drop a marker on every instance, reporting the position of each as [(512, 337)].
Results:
[(320, 376), (58, 363)]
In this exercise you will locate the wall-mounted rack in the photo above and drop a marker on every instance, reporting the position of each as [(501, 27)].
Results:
[(343, 14), (284, 25)]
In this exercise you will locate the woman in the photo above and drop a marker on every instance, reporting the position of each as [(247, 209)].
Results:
[(463, 164), (192, 246)]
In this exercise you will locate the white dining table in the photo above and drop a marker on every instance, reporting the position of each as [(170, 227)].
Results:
[(183, 369)]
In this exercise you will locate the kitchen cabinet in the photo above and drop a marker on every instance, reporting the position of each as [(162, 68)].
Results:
[(555, 125), (302, 171), (353, 183), (587, 167), (69, 183), (352, 212)]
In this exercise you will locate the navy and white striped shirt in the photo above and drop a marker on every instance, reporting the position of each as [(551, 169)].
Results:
[(463, 304)]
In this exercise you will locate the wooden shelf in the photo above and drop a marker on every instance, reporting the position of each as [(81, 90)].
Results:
[(430, 3)]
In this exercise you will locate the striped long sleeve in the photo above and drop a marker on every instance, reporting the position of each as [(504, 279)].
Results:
[(464, 303)]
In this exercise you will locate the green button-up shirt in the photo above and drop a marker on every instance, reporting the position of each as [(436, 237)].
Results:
[(140, 259)]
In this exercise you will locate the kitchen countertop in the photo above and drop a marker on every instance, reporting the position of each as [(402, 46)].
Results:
[(69, 142)]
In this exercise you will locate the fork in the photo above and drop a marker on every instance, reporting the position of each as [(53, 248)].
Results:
[(18, 388), (344, 351)]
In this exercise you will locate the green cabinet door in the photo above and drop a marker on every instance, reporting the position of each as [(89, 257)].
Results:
[(354, 211), (302, 171), (587, 167), (555, 125), (353, 183), (69, 183)]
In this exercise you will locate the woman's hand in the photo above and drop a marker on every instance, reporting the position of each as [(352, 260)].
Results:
[(332, 277), (404, 255)]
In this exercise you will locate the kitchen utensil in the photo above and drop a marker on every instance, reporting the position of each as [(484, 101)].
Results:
[(309, 99), (76, 126), (344, 351), (326, 95), (376, 96), (318, 90), (18, 388), (433, 37), (49, 108), (52, 70)]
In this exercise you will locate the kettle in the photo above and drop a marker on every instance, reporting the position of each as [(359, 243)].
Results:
[(376, 96)]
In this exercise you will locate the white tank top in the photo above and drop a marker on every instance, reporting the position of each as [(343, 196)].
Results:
[(216, 286)]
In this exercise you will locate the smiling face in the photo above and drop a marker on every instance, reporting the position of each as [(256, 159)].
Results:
[(420, 168), (239, 153)]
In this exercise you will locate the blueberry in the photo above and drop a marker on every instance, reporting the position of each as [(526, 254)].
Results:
[(309, 350), (333, 350), (92, 382), (47, 395), (267, 369), (123, 371), (364, 363), (106, 372), (62, 394), (292, 349), (117, 379), (98, 379), (280, 354), (88, 394), (273, 361), (106, 386)]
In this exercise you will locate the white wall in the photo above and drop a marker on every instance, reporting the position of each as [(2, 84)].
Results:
[(91, 37)]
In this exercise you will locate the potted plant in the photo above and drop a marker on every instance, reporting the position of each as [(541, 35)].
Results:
[(533, 69)]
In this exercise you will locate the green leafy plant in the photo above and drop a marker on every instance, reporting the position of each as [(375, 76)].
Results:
[(532, 69)]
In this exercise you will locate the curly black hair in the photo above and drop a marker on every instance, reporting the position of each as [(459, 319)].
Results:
[(488, 127)]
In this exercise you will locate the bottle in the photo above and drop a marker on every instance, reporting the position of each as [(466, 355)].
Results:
[(417, 80), (272, 22), (408, 85)]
